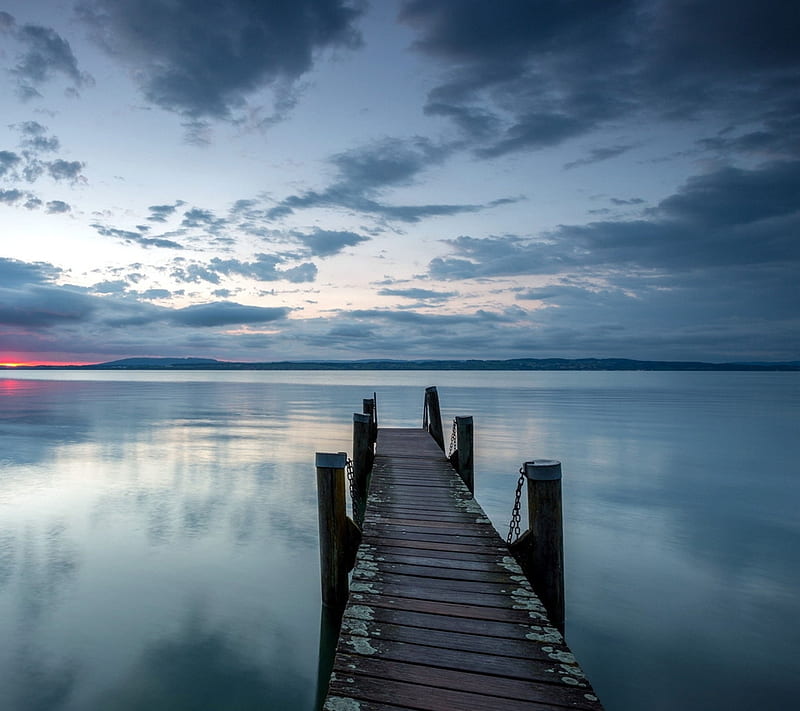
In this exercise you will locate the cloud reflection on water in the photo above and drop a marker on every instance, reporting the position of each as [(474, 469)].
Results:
[(133, 498)]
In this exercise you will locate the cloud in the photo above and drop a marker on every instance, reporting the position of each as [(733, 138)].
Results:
[(199, 218), (203, 60), (136, 237), (56, 207), (38, 315), (34, 138), (155, 294), (11, 197), (38, 306), (160, 213), (65, 169), (264, 268), (363, 173), (528, 74), (596, 155), (419, 294), (45, 54), (14, 272), (325, 243), (628, 201), (729, 217), (226, 313), (8, 162), (731, 196), (115, 286)]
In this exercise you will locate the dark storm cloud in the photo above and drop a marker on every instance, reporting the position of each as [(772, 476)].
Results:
[(730, 217), (202, 59), (365, 171), (526, 74), (226, 313), (45, 54)]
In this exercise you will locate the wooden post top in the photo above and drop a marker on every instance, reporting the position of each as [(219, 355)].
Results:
[(329, 460), (542, 469)]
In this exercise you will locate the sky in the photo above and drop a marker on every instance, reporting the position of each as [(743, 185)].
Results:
[(339, 179)]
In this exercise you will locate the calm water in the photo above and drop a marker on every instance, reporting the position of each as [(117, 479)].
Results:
[(158, 543)]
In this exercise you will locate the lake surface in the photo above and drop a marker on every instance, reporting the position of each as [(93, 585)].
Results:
[(158, 530)]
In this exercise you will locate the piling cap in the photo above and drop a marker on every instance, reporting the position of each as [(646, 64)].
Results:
[(542, 469), (329, 460)]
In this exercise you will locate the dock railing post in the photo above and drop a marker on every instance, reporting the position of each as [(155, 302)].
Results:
[(464, 449), (432, 416), (540, 550), (337, 539), (362, 462)]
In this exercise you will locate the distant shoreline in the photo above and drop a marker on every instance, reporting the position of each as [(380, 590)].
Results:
[(514, 364)]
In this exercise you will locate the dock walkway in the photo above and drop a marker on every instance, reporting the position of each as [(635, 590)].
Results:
[(440, 617)]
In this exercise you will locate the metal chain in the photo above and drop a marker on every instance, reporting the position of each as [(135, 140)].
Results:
[(513, 526), (453, 439), (358, 517)]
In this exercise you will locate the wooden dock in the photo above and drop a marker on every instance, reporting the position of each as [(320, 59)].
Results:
[(440, 617)]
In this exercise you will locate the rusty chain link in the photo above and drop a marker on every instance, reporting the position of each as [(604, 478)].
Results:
[(453, 439)]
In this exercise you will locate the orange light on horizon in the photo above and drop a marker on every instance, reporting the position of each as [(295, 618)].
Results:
[(32, 363)]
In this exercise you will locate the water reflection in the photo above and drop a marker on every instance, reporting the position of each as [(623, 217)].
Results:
[(122, 504), (202, 668), (131, 498)]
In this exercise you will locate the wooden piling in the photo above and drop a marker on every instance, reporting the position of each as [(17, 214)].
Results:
[(370, 408), (432, 417), (333, 527), (541, 549), (464, 448), (362, 461)]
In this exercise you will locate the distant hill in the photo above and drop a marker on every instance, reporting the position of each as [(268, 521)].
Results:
[(472, 364), (158, 363)]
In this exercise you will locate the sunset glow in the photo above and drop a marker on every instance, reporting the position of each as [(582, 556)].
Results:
[(24, 363)]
